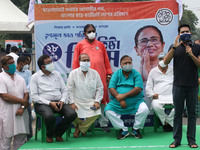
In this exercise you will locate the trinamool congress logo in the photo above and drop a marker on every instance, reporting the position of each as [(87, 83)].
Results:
[(53, 50), (164, 16)]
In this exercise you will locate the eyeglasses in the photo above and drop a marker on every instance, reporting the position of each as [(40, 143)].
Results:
[(145, 41), (91, 31), (85, 60)]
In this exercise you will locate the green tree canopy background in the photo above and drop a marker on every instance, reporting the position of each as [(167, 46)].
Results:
[(191, 19)]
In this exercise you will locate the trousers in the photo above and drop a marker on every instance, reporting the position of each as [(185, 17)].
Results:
[(180, 95), (140, 118), (69, 115)]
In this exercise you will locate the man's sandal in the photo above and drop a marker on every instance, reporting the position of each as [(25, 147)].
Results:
[(174, 144), (193, 145)]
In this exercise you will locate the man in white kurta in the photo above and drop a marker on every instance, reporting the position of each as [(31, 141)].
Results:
[(13, 101), (85, 90), (159, 89)]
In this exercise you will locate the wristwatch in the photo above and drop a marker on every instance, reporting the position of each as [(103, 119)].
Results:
[(109, 76), (174, 47), (23, 106)]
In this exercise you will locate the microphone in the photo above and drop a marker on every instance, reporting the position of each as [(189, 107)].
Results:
[(187, 40)]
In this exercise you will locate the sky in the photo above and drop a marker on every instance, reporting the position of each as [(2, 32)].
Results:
[(193, 5)]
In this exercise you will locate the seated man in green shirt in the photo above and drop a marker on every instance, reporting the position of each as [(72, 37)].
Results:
[(126, 88)]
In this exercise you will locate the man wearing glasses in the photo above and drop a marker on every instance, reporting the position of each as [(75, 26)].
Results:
[(148, 45), (85, 94), (49, 93)]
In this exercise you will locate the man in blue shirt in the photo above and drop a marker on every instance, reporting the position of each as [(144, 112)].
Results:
[(22, 70), (126, 87)]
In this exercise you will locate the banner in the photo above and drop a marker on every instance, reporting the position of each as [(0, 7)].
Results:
[(31, 10), (59, 27), (14, 42), (180, 3)]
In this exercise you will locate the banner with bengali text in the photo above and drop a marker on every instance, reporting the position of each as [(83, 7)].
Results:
[(59, 27)]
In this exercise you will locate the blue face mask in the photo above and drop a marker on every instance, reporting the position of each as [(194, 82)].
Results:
[(12, 68), (186, 37)]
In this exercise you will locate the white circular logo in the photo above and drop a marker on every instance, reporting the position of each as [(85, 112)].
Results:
[(164, 16)]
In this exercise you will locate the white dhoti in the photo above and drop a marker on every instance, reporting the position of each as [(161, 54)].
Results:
[(84, 110), (140, 118), (18, 141), (158, 104)]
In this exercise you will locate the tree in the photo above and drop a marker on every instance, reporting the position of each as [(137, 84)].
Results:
[(22, 5), (27, 38), (197, 34), (189, 18)]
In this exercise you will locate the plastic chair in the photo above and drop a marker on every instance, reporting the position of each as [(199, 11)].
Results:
[(93, 129), (43, 128), (157, 120)]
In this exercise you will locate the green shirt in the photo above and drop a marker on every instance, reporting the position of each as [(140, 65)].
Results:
[(123, 85)]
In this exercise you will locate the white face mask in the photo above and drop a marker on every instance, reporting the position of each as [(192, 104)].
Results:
[(84, 66), (91, 35), (127, 68), (49, 67), (23, 49), (25, 67)]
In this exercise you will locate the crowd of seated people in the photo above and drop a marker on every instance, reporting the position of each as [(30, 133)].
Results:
[(84, 98)]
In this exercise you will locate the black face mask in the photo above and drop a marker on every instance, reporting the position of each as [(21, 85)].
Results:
[(186, 37)]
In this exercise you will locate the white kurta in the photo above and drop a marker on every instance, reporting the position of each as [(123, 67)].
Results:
[(9, 122), (161, 84), (84, 91)]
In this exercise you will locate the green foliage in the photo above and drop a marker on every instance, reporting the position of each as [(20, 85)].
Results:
[(22, 5), (189, 18), (27, 38), (197, 34)]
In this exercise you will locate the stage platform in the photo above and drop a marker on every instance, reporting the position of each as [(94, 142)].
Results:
[(107, 141)]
